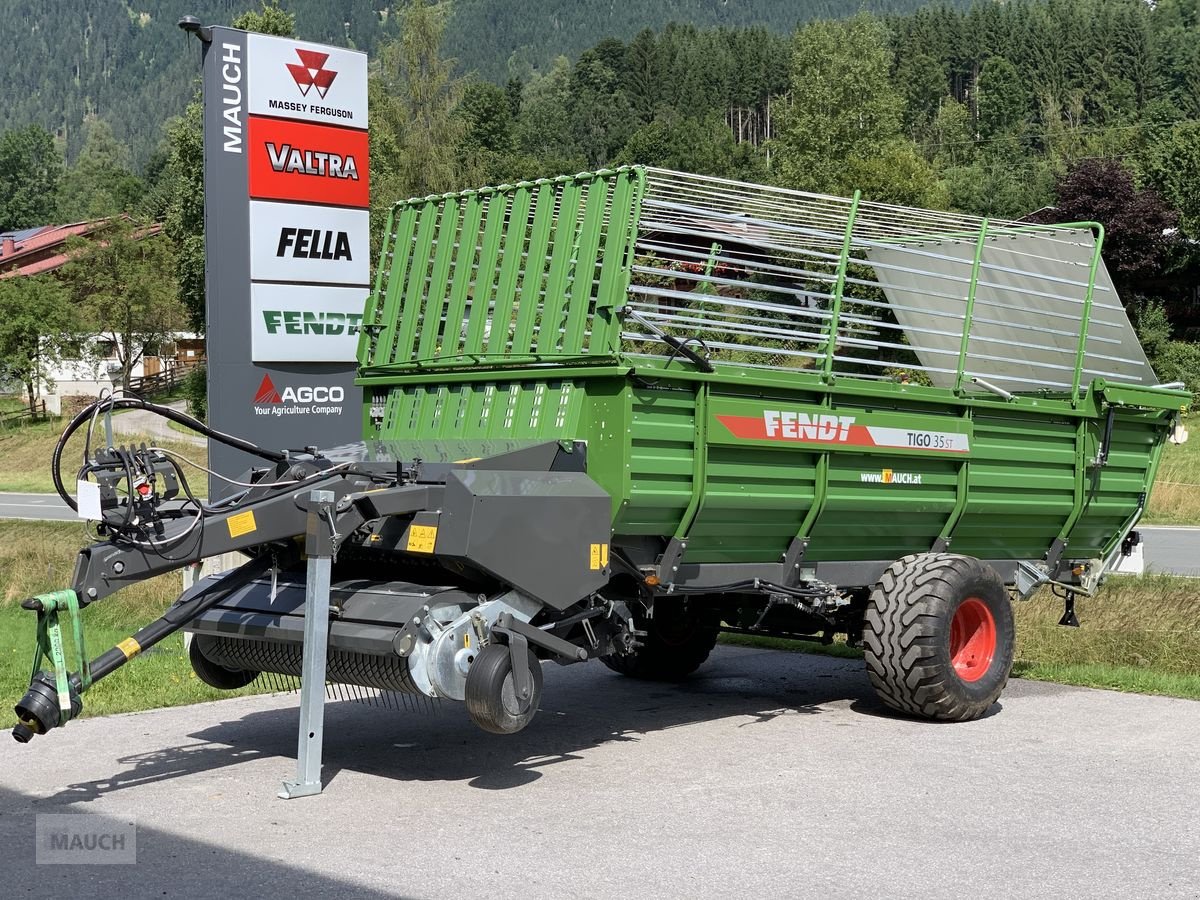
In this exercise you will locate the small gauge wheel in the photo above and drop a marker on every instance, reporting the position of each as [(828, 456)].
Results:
[(491, 697)]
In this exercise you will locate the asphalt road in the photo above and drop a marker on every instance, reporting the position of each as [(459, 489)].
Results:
[(1174, 550), (38, 507), (768, 775)]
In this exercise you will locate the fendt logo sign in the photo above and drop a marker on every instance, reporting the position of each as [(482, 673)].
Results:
[(295, 321), (311, 73), (305, 322), (305, 399)]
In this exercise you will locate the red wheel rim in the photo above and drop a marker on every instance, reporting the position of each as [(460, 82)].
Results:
[(972, 639)]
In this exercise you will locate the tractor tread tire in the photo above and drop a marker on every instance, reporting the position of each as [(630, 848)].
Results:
[(906, 636)]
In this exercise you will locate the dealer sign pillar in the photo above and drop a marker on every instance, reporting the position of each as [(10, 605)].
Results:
[(287, 242)]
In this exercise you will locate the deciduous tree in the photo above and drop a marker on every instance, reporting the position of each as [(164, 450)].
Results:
[(122, 281), (842, 103), (36, 321)]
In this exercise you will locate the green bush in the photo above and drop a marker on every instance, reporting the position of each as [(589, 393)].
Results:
[(1180, 361), (195, 392)]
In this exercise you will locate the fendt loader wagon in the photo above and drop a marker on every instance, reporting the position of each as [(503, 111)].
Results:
[(609, 415)]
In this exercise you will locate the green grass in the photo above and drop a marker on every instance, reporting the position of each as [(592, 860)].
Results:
[(1138, 634), (10, 403), (37, 557), (25, 454), (1175, 499), (1113, 678)]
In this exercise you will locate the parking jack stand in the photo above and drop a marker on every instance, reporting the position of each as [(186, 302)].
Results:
[(319, 549)]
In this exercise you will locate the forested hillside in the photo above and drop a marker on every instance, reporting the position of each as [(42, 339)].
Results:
[(126, 61)]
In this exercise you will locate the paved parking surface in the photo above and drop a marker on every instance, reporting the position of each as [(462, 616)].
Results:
[(769, 775)]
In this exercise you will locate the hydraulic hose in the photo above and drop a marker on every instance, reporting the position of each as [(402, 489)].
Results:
[(166, 412)]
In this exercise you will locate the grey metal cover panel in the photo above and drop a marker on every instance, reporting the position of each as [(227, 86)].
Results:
[(1028, 308)]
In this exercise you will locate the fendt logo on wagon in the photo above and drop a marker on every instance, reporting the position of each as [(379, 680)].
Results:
[(795, 426)]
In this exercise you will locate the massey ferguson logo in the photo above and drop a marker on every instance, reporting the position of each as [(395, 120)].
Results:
[(286, 158), (311, 399), (311, 73)]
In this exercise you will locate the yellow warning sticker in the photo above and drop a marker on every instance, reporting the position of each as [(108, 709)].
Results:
[(242, 523), (129, 647), (599, 557), (421, 538)]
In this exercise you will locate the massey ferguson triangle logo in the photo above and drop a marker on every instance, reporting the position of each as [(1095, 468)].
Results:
[(311, 73), (267, 392)]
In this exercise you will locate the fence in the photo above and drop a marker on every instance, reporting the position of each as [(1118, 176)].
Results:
[(11, 418), (162, 383)]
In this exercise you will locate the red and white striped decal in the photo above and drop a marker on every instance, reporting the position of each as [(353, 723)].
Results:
[(819, 428)]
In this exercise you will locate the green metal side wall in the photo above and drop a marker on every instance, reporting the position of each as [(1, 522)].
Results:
[(673, 469)]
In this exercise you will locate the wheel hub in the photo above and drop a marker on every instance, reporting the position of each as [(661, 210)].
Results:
[(972, 639)]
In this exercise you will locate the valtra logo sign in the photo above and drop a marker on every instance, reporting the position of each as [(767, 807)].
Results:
[(308, 163), (316, 400)]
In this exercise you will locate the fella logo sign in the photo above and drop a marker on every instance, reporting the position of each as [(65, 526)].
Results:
[(304, 399), (308, 163), (309, 244)]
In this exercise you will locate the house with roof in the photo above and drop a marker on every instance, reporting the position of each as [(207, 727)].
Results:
[(94, 367)]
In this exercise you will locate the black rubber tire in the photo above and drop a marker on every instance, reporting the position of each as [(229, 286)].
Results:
[(490, 696), (213, 675), (906, 636), (678, 640)]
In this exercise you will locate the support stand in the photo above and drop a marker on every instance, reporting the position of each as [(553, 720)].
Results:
[(319, 549)]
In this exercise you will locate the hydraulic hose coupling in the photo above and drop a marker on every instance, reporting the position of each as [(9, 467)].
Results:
[(53, 698), (38, 711)]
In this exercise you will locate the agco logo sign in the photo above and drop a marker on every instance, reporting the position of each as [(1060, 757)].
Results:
[(305, 399), (311, 73)]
